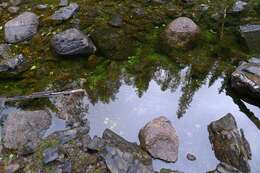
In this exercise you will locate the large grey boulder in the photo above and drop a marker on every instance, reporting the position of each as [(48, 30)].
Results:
[(246, 79), (65, 13), (122, 156), (21, 28), (230, 145), (251, 33), (72, 42), (159, 138), (23, 130), (182, 32)]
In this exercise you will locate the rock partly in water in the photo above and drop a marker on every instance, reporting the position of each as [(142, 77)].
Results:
[(169, 171), (182, 32), (246, 79), (72, 42), (225, 168), (21, 28), (23, 130), (191, 157), (159, 138), (229, 145), (122, 156), (65, 13), (251, 33)]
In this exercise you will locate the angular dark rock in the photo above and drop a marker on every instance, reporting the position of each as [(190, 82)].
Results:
[(246, 79), (251, 33), (72, 42), (50, 155), (122, 156), (65, 13), (23, 130), (159, 138), (21, 28), (228, 144)]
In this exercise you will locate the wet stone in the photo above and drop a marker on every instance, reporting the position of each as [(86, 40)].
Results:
[(21, 28), (224, 135), (65, 13), (251, 33), (159, 138), (122, 156), (50, 155), (191, 157), (246, 79)]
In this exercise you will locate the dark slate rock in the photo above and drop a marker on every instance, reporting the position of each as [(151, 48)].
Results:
[(159, 138), (21, 28), (72, 42), (228, 144), (65, 13), (122, 156), (116, 21), (246, 79), (251, 33), (225, 168), (23, 130), (50, 155)]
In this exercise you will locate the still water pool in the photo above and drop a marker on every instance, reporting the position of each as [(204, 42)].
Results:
[(128, 113)]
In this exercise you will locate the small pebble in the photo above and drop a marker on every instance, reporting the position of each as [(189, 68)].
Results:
[(191, 157)]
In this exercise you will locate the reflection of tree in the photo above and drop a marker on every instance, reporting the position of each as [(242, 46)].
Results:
[(190, 87), (104, 83)]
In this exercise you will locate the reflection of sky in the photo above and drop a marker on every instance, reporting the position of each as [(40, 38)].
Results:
[(128, 113)]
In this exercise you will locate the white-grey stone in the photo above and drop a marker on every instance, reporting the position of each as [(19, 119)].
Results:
[(21, 28)]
